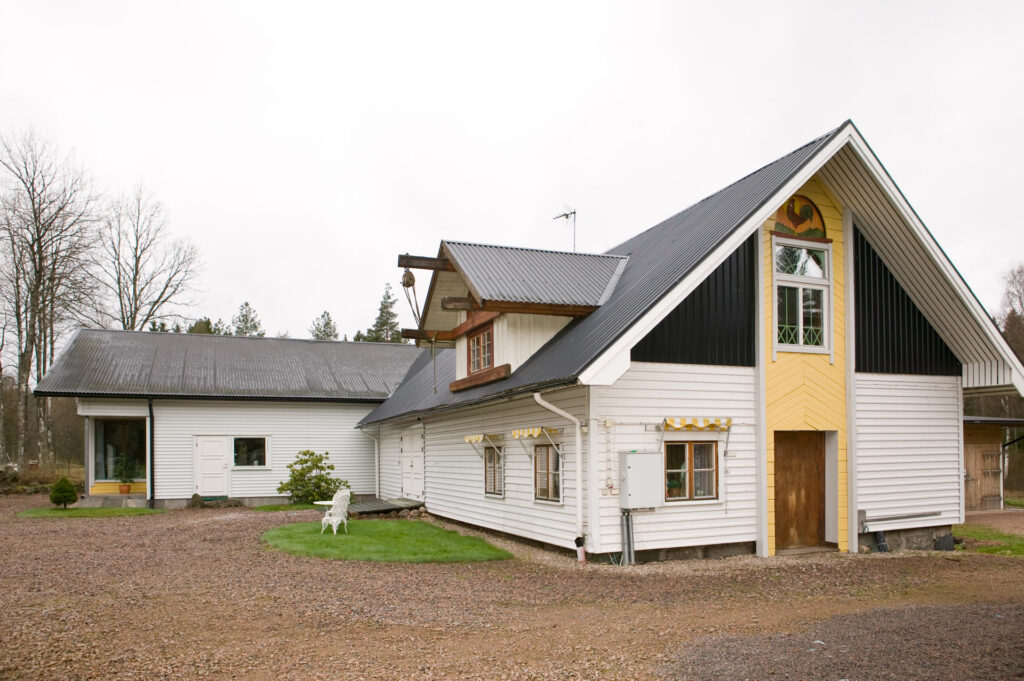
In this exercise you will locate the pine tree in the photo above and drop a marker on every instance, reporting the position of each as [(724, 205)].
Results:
[(246, 323), (385, 328), (324, 328)]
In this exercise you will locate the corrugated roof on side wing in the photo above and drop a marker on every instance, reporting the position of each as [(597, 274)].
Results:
[(527, 275), (659, 258), (135, 363)]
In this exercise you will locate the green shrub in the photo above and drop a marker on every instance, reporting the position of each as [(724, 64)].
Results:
[(310, 479), (63, 493)]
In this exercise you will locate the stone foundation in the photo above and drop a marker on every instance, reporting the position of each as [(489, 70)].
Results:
[(913, 539)]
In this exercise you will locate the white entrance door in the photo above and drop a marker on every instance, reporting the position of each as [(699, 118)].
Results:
[(211, 471), (412, 463)]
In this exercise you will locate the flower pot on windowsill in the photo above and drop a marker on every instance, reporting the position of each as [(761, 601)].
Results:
[(124, 488)]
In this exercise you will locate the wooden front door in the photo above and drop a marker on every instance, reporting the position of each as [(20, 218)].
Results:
[(983, 483), (799, 489)]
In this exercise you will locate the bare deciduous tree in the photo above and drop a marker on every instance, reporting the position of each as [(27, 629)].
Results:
[(46, 226), (142, 272)]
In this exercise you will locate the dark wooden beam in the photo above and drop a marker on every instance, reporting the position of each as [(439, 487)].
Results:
[(457, 303), (422, 262), (427, 335), (475, 321), (480, 378), (538, 308)]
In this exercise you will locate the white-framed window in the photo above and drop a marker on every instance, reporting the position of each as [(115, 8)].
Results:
[(547, 473), (691, 470), (803, 284), (250, 452), (494, 471)]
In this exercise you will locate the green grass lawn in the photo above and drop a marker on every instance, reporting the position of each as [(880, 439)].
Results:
[(1002, 544), (399, 541), (284, 507), (85, 512), (1014, 497)]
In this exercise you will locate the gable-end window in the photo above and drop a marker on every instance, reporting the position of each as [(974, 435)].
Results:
[(494, 474), (481, 349), (691, 471), (547, 474), (250, 451), (802, 286)]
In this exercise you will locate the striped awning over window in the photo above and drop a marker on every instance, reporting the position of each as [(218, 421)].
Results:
[(480, 437), (698, 423), (534, 431)]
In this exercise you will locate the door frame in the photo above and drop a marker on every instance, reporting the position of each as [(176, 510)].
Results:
[(418, 430), (195, 464), (828, 473)]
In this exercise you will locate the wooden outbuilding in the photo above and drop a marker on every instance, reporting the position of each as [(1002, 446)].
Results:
[(985, 459)]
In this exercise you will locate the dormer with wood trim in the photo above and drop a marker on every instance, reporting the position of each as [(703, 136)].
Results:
[(498, 305)]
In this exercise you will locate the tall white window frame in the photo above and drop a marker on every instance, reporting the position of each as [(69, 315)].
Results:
[(803, 283)]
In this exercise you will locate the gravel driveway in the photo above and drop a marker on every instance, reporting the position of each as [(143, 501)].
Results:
[(194, 594)]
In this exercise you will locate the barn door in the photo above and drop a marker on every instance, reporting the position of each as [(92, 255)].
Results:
[(412, 463), (799, 489), (983, 484)]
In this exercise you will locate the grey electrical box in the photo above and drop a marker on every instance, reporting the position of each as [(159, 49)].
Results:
[(641, 480)]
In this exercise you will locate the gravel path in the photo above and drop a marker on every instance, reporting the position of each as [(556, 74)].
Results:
[(195, 594), (909, 644)]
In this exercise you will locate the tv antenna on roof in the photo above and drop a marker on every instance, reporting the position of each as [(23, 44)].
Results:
[(569, 214)]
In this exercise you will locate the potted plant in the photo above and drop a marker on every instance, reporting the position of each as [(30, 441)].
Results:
[(125, 474)]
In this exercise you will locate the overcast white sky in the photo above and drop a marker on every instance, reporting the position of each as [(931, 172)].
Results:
[(303, 146)]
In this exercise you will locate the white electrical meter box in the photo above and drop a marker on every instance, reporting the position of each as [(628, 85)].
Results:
[(641, 480)]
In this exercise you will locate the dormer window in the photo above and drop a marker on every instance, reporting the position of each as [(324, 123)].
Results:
[(481, 349)]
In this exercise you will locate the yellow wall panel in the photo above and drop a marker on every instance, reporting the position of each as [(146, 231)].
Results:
[(111, 488), (807, 391)]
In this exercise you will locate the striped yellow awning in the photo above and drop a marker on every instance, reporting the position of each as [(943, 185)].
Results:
[(535, 431), (480, 437), (698, 423)]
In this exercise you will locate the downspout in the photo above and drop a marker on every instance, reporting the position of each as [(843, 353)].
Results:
[(581, 552), (152, 461)]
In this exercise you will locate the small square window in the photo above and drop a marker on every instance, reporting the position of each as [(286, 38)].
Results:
[(250, 451)]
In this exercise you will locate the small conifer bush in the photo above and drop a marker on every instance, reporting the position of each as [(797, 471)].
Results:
[(63, 493), (310, 479)]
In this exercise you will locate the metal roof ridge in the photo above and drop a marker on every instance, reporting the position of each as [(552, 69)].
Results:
[(533, 250)]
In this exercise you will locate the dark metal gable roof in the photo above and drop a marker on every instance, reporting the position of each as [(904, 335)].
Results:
[(141, 364), (659, 258), (527, 275)]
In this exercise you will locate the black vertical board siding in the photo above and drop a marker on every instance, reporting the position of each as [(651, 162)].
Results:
[(892, 335), (716, 323)]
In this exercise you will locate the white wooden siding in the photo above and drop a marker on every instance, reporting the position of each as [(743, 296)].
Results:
[(454, 472), (909, 449), (290, 428), (112, 408), (643, 396), (516, 338)]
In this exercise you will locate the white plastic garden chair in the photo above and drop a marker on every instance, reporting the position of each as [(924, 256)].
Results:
[(338, 512)]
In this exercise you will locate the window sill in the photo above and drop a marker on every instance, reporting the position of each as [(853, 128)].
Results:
[(251, 468), (548, 502), (805, 349), (492, 495), (694, 502), (481, 378)]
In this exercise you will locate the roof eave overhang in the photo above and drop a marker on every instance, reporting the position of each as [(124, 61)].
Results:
[(223, 398), (488, 399), (608, 366)]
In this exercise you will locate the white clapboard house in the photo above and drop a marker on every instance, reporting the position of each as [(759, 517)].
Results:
[(780, 366), (222, 416)]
